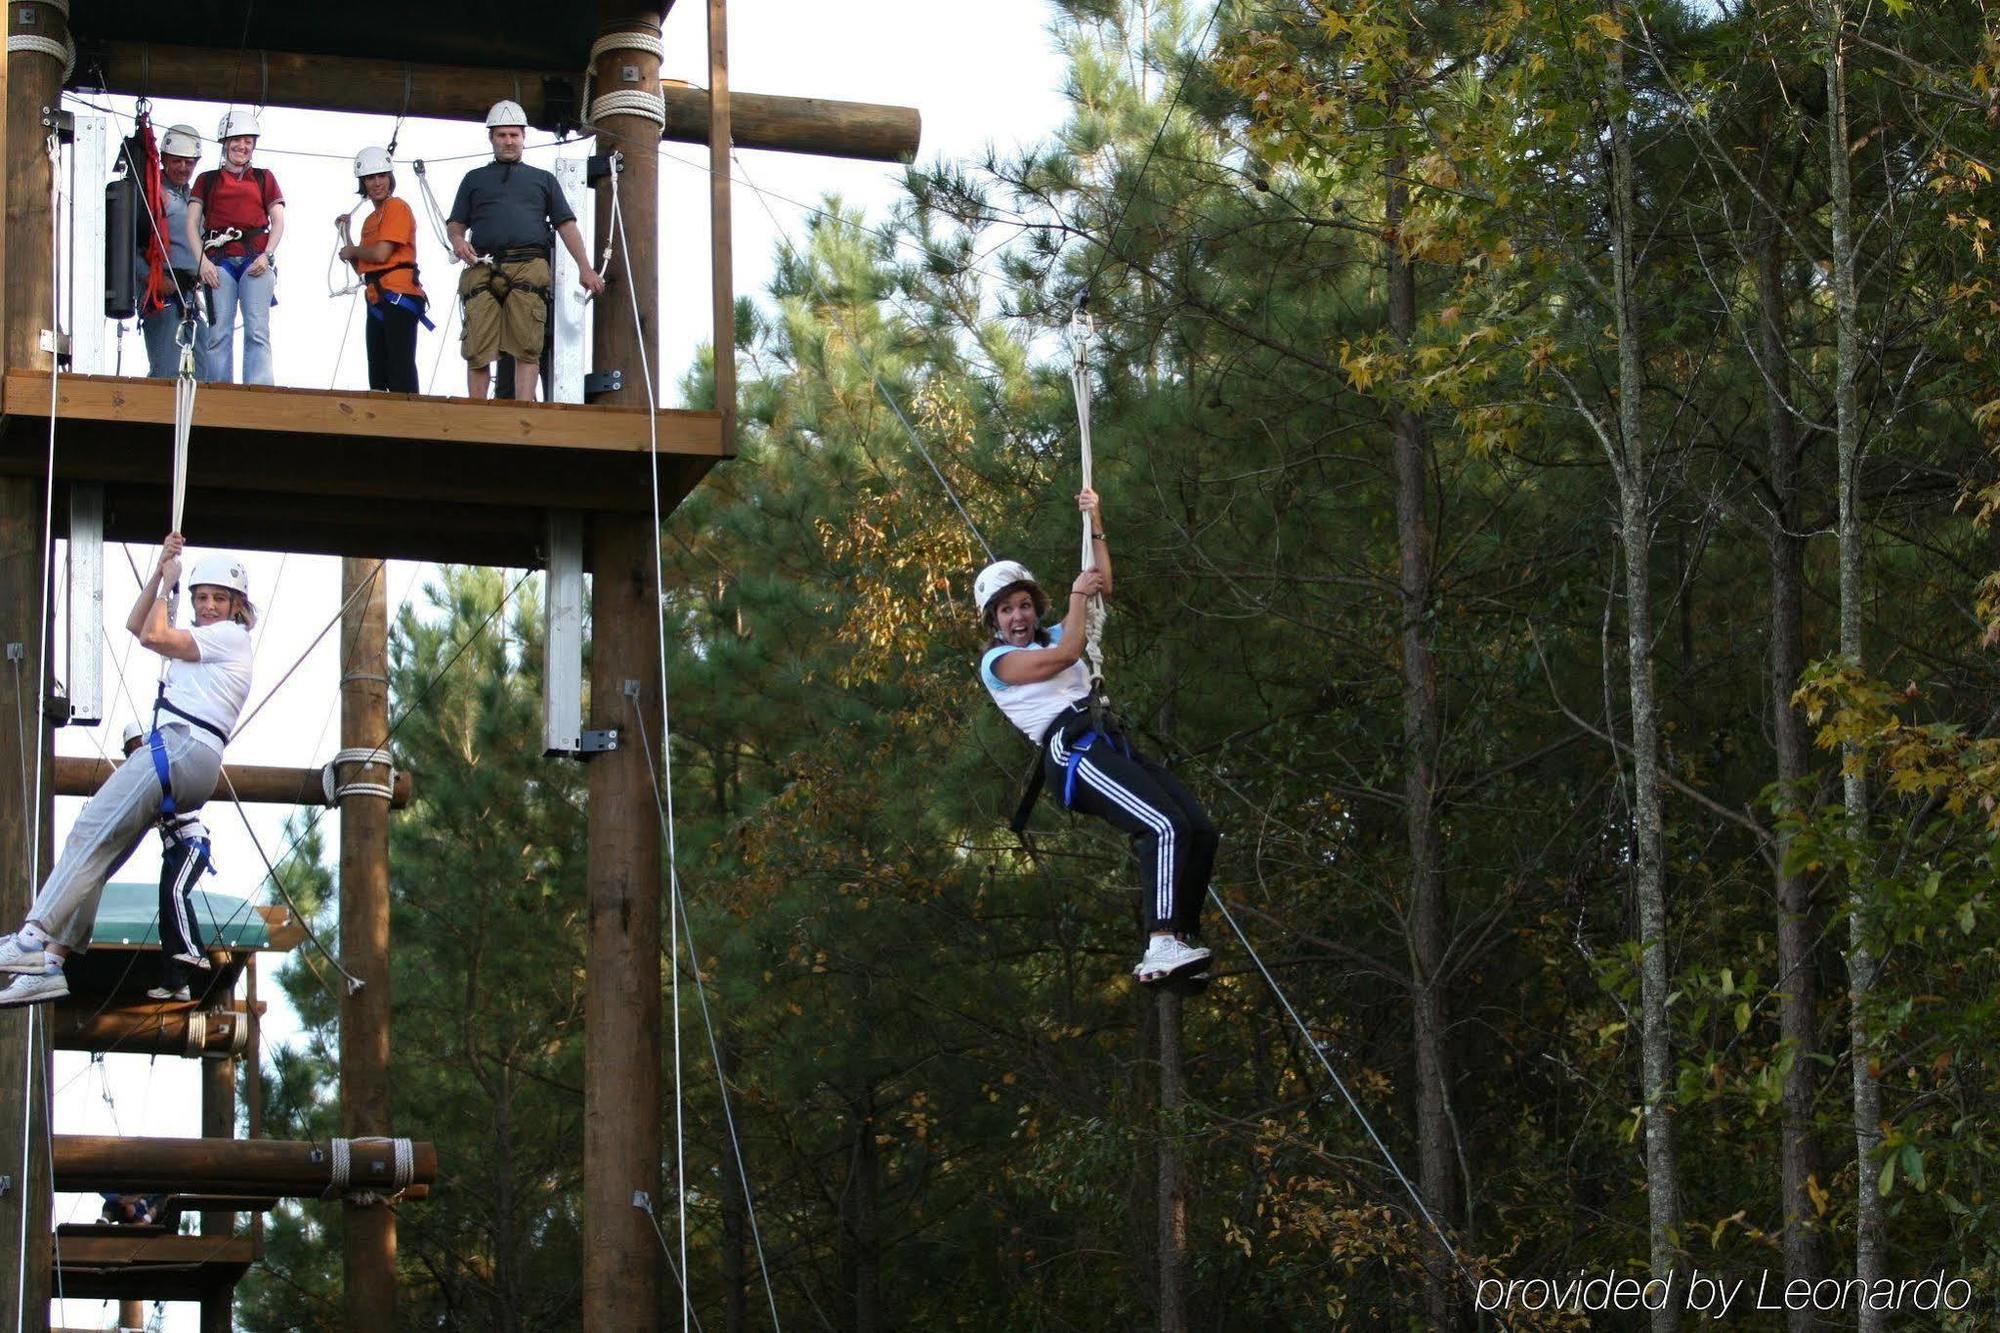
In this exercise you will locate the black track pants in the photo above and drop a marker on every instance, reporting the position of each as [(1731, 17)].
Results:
[(1172, 838), (392, 348), (182, 865)]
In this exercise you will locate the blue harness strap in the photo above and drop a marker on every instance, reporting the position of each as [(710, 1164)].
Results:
[(1075, 760), (158, 748), (402, 300)]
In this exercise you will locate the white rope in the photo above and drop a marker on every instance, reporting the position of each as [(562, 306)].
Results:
[(365, 757), (64, 50), (666, 733), (625, 101), (1081, 331), (343, 236), (630, 102), (340, 1165), (435, 213), (34, 804), (184, 393), (197, 1034)]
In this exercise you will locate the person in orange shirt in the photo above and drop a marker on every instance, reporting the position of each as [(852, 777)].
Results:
[(386, 259)]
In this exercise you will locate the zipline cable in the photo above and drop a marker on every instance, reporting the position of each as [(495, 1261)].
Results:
[(714, 1048), (666, 721)]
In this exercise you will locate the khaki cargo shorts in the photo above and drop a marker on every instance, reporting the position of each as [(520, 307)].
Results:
[(512, 327)]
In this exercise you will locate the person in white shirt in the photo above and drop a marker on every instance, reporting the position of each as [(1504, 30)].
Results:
[(1038, 679), (203, 688)]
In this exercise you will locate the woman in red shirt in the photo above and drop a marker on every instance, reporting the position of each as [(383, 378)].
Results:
[(235, 221), (386, 259)]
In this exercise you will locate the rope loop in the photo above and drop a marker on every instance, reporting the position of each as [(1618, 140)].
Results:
[(365, 757), (629, 102), (403, 1168)]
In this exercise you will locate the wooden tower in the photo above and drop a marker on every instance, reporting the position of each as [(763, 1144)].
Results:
[(370, 476)]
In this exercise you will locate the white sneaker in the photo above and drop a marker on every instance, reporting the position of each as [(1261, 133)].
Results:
[(39, 988), (16, 955), (1168, 957), (168, 993)]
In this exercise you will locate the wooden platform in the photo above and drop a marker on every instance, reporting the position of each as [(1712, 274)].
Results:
[(96, 1263), (310, 470)]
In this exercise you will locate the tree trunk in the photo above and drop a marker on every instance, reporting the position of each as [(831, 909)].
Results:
[(1173, 1171), (1798, 985), (1437, 1167), (860, 1241), (1648, 886), (1854, 786), (735, 1210)]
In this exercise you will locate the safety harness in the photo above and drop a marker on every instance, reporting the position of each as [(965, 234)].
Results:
[(416, 305), (1103, 726)]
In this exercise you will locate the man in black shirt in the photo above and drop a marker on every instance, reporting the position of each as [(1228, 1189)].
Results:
[(511, 213)]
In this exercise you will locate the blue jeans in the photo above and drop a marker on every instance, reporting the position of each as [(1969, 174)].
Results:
[(163, 352), (252, 297)]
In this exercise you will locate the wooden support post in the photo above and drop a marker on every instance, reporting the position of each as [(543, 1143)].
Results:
[(27, 285), (132, 1315), (370, 1228), (721, 229), (621, 1078), (218, 1121)]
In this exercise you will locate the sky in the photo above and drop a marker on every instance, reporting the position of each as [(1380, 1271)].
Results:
[(984, 75)]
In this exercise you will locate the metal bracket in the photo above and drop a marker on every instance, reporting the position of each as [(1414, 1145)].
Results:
[(599, 382), (6, 1186), (53, 341), (62, 122), (17, 652), (601, 165), (597, 742), (640, 1200)]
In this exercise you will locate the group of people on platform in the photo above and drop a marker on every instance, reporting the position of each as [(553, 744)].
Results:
[(220, 232)]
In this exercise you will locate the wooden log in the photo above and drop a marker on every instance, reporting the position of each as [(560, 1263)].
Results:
[(85, 1163), (621, 1073), (33, 80), (369, 1245), (721, 229), (150, 1029), (256, 784), (863, 130)]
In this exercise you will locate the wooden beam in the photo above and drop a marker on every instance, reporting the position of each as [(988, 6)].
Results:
[(369, 1230), (815, 125), (340, 414), (85, 1163), (150, 1029), (103, 1265), (256, 784)]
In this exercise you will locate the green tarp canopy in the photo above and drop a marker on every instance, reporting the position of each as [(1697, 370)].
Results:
[(129, 914)]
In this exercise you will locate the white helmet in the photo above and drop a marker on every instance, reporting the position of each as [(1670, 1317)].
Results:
[(181, 141), (133, 732), (237, 122), (372, 162), (996, 578), (219, 570), (506, 113)]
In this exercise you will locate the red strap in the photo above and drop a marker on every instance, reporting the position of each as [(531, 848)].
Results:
[(153, 193)]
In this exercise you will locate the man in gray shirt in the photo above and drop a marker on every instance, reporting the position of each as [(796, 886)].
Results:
[(180, 149), (510, 212)]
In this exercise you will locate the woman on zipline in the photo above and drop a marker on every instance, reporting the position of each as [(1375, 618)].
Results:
[(1038, 678), (202, 692)]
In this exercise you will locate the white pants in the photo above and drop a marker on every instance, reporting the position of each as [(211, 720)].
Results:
[(110, 827)]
